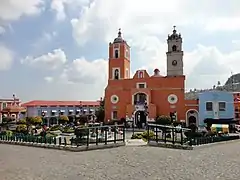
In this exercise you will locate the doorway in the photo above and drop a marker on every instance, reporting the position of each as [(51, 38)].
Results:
[(140, 119), (192, 120)]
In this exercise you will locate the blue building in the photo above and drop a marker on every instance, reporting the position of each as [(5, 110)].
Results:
[(216, 107)]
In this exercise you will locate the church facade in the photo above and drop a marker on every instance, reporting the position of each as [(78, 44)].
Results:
[(146, 95)]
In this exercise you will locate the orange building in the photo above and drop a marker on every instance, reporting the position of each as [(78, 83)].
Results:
[(236, 96), (146, 96)]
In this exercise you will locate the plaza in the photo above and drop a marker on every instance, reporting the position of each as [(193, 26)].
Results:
[(130, 162)]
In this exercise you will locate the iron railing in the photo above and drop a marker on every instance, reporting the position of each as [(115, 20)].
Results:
[(166, 134), (84, 137)]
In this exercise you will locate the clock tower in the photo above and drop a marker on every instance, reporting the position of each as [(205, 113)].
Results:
[(174, 54)]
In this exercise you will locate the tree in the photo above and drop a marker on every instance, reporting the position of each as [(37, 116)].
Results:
[(163, 120), (100, 113), (63, 118), (22, 128), (22, 121), (35, 120)]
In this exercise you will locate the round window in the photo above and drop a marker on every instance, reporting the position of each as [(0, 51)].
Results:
[(172, 99), (114, 99)]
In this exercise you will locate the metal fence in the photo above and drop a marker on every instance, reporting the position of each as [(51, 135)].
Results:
[(166, 134), (84, 137), (176, 135), (196, 141)]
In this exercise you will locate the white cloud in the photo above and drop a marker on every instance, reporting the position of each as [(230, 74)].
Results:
[(52, 60), (142, 18), (13, 10), (48, 79), (145, 22), (59, 6), (2, 30), (86, 72), (45, 39), (6, 58)]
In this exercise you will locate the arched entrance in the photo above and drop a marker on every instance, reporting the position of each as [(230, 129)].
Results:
[(192, 117), (140, 118)]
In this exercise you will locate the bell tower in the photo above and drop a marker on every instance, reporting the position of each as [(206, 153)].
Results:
[(174, 54), (119, 59)]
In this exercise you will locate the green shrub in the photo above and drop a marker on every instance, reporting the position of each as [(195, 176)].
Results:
[(68, 130), (137, 136), (9, 133), (144, 135), (21, 128), (163, 120), (35, 120), (22, 121), (63, 118), (56, 128)]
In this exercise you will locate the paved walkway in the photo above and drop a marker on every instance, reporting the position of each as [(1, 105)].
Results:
[(220, 162)]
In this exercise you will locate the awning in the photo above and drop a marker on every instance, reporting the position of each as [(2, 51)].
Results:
[(220, 121)]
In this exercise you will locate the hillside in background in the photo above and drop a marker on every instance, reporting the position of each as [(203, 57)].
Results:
[(231, 85)]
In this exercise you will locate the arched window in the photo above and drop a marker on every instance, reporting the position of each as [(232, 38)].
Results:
[(116, 53), (174, 48), (116, 74), (140, 74), (140, 98)]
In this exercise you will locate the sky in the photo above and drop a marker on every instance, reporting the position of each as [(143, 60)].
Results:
[(58, 49)]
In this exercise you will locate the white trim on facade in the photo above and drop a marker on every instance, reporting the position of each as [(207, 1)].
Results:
[(197, 118), (138, 83), (113, 72), (138, 93)]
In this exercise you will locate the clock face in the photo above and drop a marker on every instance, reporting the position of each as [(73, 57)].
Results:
[(174, 63)]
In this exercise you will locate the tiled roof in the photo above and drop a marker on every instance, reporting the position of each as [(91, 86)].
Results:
[(14, 109), (60, 103)]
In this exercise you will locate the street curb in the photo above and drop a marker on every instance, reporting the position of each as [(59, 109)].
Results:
[(172, 146), (62, 147), (216, 143)]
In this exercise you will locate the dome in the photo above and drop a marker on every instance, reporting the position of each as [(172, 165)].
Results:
[(156, 70), (174, 35), (119, 39)]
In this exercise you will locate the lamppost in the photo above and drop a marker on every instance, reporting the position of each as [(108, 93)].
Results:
[(59, 114)]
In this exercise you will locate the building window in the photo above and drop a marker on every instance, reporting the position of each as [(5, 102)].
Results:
[(4, 105), (209, 106), (39, 112), (174, 48), (116, 53), (116, 74), (114, 115), (140, 74), (126, 74), (141, 85), (222, 106), (126, 53)]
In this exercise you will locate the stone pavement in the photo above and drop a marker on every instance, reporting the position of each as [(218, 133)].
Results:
[(220, 162)]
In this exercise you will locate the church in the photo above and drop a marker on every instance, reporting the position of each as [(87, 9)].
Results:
[(146, 95)]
